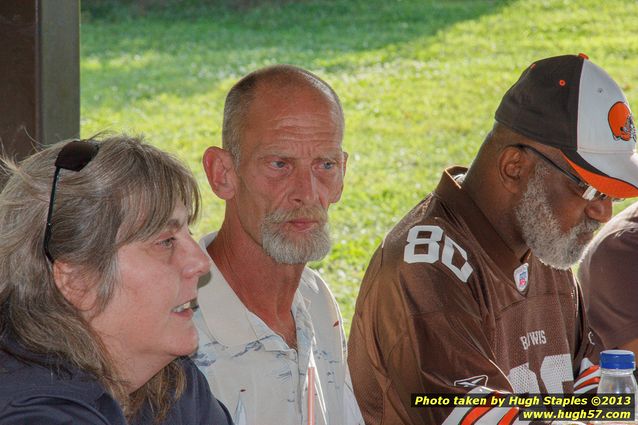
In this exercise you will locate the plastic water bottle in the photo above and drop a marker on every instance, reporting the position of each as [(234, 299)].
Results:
[(617, 374)]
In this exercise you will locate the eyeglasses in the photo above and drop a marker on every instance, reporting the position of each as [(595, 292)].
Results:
[(590, 193), (73, 157)]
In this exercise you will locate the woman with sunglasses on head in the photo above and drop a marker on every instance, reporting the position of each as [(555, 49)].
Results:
[(98, 282)]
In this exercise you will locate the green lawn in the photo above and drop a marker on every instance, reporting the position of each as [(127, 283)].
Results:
[(419, 81)]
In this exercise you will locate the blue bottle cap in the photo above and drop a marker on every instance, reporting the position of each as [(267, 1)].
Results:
[(617, 359)]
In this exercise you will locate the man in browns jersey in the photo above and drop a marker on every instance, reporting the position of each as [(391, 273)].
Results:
[(472, 291)]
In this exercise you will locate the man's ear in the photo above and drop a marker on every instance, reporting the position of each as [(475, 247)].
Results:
[(74, 289), (513, 169), (345, 162), (220, 171), (337, 196)]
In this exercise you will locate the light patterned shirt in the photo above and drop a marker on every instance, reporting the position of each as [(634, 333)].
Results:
[(253, 371)]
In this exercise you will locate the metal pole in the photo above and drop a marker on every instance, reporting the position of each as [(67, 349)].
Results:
[(39, 73)]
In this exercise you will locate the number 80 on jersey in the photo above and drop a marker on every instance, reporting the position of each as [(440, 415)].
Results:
[(430, 238)]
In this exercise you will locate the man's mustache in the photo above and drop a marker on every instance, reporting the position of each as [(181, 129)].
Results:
[(315, 213), (589, 226)]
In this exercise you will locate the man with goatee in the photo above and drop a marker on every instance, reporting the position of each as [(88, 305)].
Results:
[(472, 293), (271, 338)]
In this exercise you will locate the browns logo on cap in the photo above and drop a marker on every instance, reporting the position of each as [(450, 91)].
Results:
[(569, 103), (621, 122)]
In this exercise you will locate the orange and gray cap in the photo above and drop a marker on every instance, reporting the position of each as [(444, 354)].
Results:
[(571, 104)]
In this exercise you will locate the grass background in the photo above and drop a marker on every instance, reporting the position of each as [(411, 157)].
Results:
[(419, 81)]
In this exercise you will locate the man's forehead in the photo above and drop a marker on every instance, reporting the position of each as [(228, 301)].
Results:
[(298, 149), (292, 126)]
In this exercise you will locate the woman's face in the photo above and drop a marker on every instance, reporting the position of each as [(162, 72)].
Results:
[(148, 322)]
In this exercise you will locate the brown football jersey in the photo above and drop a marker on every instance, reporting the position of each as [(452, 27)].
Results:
[(446, 307)]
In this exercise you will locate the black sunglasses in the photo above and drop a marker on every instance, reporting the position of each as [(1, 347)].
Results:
[(590, 193), (73, 157)]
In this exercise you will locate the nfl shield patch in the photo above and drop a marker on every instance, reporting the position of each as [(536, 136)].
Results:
[(521, 277)]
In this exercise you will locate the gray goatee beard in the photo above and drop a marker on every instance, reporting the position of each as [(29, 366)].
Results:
[(541, 230), (284, 249)]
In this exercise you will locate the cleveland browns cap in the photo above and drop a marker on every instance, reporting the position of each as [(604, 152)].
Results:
[(571, 104)]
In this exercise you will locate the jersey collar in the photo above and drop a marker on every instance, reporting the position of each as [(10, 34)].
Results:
[(453, 195)]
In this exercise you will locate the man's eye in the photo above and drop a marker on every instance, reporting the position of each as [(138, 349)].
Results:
[(329, 165), (278, 164), (603, 197)]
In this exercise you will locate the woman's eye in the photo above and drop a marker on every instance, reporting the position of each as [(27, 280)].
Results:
[(167, 243)]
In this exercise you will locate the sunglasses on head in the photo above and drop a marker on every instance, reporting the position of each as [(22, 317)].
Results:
[(73, 157)]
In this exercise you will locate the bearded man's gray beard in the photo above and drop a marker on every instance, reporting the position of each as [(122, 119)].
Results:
[(312, 246), (541, 230)]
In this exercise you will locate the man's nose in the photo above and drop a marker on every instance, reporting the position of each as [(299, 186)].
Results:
[(304, 186), (600, 210)]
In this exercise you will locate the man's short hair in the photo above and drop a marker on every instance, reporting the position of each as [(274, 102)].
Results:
[(242, 94)]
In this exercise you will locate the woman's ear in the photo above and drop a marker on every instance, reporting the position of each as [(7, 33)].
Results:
[(220, 171), (75, 290)]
